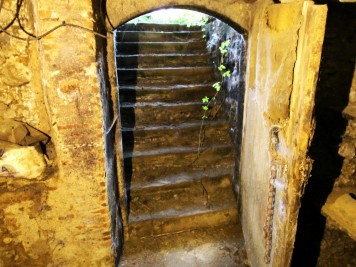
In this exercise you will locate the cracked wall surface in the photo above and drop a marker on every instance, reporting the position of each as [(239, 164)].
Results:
[(284, 54), (53, 202)]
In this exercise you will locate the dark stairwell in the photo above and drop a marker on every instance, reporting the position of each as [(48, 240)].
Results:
[(178, 203)]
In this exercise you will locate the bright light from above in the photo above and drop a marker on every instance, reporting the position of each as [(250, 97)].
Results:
[(174, 16)]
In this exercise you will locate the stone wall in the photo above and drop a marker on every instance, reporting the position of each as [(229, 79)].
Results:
[(61, 217), (232, 94)]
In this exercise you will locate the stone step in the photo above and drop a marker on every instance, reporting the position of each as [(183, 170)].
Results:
[(164, 60), (161, 113), (182, 135), (159, 48), (155, 27), (165, 76), (150, 166), (190, 205), (183, 222), (147, 36), (176, 93), (187, 176)]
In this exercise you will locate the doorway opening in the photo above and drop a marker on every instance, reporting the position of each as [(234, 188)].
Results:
[(180, 77)]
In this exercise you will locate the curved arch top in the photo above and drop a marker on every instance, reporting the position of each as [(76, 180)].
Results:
[(236, 13)]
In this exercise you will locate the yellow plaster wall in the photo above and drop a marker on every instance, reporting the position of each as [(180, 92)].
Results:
[(61, 218), (284, 51)]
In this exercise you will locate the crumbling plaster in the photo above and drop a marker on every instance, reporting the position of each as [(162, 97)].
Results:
[(61, 218), (284, 54)]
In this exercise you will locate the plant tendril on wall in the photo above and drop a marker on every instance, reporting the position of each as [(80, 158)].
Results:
[(207, 102)]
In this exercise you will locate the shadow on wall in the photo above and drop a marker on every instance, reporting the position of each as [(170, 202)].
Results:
[(333, 88), (126, 83), (233, 92)]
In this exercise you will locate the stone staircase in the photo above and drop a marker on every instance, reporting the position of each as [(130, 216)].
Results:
[(163, 72)]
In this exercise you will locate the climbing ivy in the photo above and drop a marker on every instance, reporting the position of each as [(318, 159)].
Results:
[(207, 102)]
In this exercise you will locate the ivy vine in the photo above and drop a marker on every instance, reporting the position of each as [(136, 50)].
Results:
[(207, 102)]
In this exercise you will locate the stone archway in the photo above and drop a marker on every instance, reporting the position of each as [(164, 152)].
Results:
[(237, 12)]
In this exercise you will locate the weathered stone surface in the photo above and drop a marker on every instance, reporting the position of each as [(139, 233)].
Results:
[(21, 94), (347, 149), (236, 11), (277, 122), (21, 161), (60, 217), (231, 97), (337, 249), (340, 210), (20, 133)]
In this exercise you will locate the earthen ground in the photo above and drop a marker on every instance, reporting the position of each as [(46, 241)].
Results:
[(209, 247)]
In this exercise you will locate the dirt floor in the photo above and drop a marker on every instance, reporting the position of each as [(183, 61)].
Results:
[(209, 247)]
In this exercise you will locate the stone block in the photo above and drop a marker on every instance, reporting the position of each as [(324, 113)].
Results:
[(21, 161)]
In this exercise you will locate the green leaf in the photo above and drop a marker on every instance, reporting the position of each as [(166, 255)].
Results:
[(204, 117), (223, 51), (226, 43), (217, 86), (205, 99), (221, 68), (204, 36), (226, 74), (205, 108)]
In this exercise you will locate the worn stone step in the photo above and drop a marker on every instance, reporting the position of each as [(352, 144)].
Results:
[(124, 73), (165, 76), (157, 27), (176, 93), (164, 60), (185, 222), (161, 113), (210, 200), (150, 166), (183, 135), (176, 180), (134, 48), (149, 36), (196, 78)]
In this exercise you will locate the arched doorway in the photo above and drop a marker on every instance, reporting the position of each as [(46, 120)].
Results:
[(171, 182), (278, 95)]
